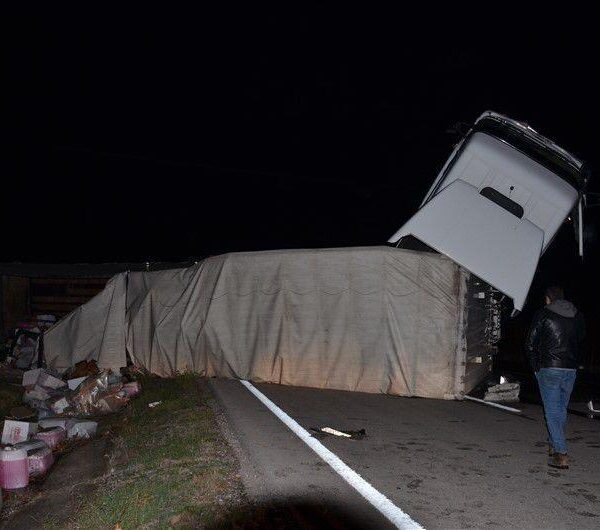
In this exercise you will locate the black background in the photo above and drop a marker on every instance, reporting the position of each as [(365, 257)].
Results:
[(154, 135)]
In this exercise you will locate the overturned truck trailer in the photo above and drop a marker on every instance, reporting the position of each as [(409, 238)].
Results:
[(369, 319), (374, 319)]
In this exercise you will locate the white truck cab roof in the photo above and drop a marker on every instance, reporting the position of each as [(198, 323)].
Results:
[(498, 202)]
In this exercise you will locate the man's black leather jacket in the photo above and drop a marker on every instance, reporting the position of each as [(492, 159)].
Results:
[(555, 337)]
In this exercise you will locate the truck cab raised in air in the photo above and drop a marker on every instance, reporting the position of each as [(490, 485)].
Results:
[(498, 202)]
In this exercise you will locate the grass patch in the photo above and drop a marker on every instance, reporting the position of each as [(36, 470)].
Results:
[(175, 468)]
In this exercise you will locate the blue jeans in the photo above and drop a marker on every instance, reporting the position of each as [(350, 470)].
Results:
[(556, 385)]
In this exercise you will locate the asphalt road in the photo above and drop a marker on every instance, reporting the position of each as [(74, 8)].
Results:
[(448, 464)]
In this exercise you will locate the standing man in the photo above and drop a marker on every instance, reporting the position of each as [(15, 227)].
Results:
[(553, 348)]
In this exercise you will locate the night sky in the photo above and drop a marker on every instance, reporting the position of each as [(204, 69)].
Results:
[(147, 136)]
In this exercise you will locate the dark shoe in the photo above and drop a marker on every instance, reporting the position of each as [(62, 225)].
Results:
[(559, 461)]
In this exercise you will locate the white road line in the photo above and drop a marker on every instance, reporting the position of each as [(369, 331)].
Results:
[(379, 501), (491, 404)]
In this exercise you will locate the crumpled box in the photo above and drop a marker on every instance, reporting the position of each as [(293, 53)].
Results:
[(96, 395)]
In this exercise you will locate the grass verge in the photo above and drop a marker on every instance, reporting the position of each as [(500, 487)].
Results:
[(170, 465)]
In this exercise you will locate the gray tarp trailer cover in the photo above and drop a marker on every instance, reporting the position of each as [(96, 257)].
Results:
[(375, 319)]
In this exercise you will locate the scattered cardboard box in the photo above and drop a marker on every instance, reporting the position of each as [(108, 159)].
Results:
[(17, 431)]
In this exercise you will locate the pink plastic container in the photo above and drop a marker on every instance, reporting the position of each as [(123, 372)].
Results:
[(14, 469), (52, 437), (40, 461)]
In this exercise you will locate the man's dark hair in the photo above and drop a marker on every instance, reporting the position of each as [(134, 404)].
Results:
[(554, 293)]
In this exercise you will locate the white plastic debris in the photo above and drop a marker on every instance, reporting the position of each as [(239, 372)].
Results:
[(329, 430), (154, 404), (82, 429), (591, 407), (17, 431)]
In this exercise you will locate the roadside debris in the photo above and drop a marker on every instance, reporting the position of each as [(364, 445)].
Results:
[(14, 468), (52, 437), (329, 430), (22, 343), (154, 404), (58, 412), (83, 429), (356, 435), (17, 431), (504, 392), (40, 461)]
